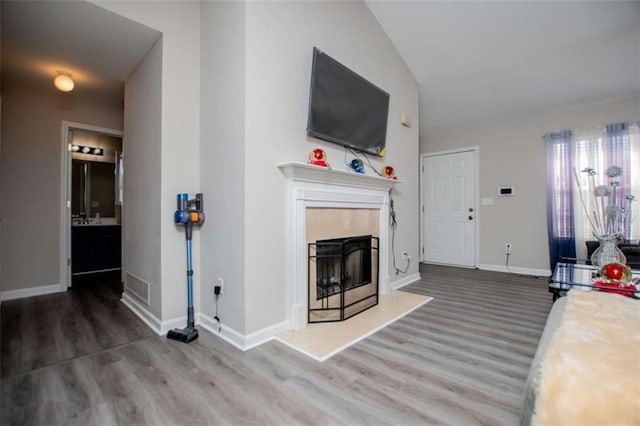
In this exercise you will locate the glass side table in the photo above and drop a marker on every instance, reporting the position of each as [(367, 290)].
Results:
[(568, 276)]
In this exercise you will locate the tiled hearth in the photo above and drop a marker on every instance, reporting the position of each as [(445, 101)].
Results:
[(326, 203)]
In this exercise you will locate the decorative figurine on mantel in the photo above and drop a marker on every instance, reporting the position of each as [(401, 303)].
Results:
[(318, 157), (357, 165), (389, 172)]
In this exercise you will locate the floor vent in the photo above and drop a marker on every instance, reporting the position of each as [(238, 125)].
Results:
[(137, 287)]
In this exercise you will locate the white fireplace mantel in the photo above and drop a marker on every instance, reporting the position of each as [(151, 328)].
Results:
[(310, 173), (315, 186)]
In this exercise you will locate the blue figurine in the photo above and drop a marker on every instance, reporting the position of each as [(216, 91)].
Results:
[(357, 166)]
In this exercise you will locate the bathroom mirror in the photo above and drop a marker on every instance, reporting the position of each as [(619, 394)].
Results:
[(92, 188), (93, 174)]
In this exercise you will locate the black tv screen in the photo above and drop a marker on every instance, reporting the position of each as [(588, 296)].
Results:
[(346, 109)]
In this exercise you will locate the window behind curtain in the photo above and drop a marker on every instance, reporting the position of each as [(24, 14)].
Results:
[(615, 145)]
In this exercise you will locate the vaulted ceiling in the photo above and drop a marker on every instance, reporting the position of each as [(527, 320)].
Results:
[(474, 61), (478, 61)]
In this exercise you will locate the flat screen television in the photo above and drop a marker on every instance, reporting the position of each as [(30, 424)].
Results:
[(346, 109)]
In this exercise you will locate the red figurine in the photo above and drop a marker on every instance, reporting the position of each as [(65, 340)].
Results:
[(318, 157), (388, 172)]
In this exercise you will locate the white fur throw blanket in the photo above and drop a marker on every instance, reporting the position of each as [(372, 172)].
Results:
[(591, 371)]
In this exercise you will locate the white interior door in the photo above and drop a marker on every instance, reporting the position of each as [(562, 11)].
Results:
[(449, 219)]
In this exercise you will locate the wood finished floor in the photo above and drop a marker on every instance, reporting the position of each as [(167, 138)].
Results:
[(461, 359), (44, 330)]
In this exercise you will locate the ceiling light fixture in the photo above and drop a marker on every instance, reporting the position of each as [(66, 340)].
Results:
[(64, 82)]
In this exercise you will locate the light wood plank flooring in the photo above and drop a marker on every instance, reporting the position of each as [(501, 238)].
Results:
[(461, 359)]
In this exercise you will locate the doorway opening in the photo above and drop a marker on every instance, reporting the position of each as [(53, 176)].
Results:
[(92, 201)]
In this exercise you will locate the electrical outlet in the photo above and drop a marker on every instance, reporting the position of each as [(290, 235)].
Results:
[(507, 248), (406, 255), (220, 284)]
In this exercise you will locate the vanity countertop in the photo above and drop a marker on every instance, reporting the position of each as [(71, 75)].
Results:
[(104, 221)]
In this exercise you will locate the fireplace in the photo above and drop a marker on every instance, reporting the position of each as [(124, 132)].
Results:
[(338, 197), (343, 277)]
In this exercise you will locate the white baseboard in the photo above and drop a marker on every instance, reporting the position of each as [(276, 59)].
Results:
[(515, 270), (226, 333), (259, 337), (162, 327), (405, 281), (32, 291), (237, 339), (142, 312)]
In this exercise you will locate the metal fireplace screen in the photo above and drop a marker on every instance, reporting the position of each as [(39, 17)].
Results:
[(343, 277)]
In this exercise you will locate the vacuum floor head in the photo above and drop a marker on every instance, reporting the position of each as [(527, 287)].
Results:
[(185, 335)]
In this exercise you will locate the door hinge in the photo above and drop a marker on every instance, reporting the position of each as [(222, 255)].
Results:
[(68, 204), (68, 261)]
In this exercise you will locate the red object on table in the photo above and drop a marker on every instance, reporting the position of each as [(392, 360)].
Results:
[(618, 288), (614, 270)]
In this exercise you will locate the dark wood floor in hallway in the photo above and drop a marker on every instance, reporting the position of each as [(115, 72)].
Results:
[(88, 318), (461, 359)]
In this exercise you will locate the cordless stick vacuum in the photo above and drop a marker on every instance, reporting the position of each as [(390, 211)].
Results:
[(189, 213)]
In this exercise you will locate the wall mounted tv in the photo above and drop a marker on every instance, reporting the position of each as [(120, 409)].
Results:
[(346, 109)]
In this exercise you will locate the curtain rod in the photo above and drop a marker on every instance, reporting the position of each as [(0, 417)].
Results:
[(633, 126)]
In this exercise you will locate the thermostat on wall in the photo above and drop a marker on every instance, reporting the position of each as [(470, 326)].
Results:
[(505, 191)]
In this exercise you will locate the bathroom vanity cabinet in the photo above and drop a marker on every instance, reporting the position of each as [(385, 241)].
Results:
[(95, 248)]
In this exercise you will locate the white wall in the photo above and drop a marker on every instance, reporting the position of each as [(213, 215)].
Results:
[(142, 194), (222, 150), (512, 153), (31, 176), (255, 85), (179, 23), (255, 81), (279, 40)]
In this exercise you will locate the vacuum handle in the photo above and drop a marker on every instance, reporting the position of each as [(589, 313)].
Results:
[(188, 230), (183, 199)]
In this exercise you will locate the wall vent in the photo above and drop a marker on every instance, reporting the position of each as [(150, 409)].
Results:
[(137, 287)]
